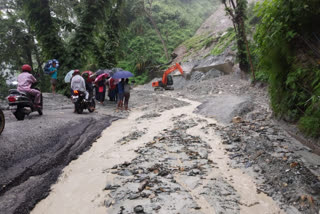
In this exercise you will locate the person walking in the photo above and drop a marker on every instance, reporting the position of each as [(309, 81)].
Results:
[(112, 89), (127, 89), (120, 88), (101, 90), (53, 71)]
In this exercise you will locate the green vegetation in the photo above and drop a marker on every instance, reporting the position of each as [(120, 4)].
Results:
[(237, 10), (198, 42), (287, 50), (94, 34), (177, 21), (224, 42)]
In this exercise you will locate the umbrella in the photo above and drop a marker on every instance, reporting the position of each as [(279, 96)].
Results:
[(101, 71), (90, 75), (105, 71), (121, 74), (87, 72), (100, 77), (68, 77)]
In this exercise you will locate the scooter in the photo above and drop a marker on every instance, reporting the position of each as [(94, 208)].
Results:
[(80, 103), (2, 121), (22, 104)]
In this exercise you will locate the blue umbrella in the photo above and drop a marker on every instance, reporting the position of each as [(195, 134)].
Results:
[(121, 74)]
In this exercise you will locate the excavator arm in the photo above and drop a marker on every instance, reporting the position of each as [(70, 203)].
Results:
[(169, 71), (164, 81)]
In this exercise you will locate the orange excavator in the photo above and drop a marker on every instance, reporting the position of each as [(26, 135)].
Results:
[(167, 81)]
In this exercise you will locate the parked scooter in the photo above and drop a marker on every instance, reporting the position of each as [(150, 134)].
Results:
[(80, 103), (22, 104), (2, 121)]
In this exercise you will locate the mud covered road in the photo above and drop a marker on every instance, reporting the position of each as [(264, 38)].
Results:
[(34, 151), (174, 153)]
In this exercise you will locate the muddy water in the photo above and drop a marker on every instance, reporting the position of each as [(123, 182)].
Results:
[(80, 187)]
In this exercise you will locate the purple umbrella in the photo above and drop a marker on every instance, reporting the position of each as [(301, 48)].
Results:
[(121, 74)]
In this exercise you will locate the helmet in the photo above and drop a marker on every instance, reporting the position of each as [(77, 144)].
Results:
[(26, 67), (76, 72)]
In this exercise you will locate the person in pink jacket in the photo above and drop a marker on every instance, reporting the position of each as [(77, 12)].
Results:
[(25, 81)]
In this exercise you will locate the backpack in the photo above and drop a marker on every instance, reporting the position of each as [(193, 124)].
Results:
[(47, 67)]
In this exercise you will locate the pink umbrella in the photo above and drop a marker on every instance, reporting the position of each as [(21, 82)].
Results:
[(100, 77)]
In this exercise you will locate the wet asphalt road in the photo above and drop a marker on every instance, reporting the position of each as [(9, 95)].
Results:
[(33, 152)]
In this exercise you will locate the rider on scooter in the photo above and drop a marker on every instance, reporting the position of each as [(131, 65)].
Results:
[(25, 81), (78, 83)]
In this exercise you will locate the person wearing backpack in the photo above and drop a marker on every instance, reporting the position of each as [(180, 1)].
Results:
[(53, 71), (127, 89)]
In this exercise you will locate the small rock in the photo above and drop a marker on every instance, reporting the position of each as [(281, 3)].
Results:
[(256, 169), (111, 187), (237, 119), (133, 196), (203, 153), (194, 172), (138, 209), (157, 207), (108, 203), (125, 173), (143, 185)]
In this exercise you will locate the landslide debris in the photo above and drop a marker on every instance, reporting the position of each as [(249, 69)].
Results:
[(164, 174)]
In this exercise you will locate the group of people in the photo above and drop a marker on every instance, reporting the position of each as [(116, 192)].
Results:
[(118, 90)]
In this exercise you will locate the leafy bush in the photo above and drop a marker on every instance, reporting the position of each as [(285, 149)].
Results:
[(3, 87), (285, 55)]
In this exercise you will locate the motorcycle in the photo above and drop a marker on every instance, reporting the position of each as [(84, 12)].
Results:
[(2, 121), (22, 104), (80, 103)]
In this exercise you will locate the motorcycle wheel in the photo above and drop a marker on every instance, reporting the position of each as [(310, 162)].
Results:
[(79, 110), (19, 114), (40, 112), (2, 121), (92, 106)]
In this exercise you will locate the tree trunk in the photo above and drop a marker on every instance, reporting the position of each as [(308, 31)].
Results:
[(39, 17), (248, 51), (159, 34)]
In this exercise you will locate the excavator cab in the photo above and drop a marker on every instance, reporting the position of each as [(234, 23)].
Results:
[(167, 81), (170, 80)]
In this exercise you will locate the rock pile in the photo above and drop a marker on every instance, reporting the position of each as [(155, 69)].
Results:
[(163, 175), (270, 153)]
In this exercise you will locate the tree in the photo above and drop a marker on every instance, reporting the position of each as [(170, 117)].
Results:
[(39, 17), (236, 10), (148, 11)]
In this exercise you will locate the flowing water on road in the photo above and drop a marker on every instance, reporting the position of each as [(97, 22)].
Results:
[(80, 188)]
